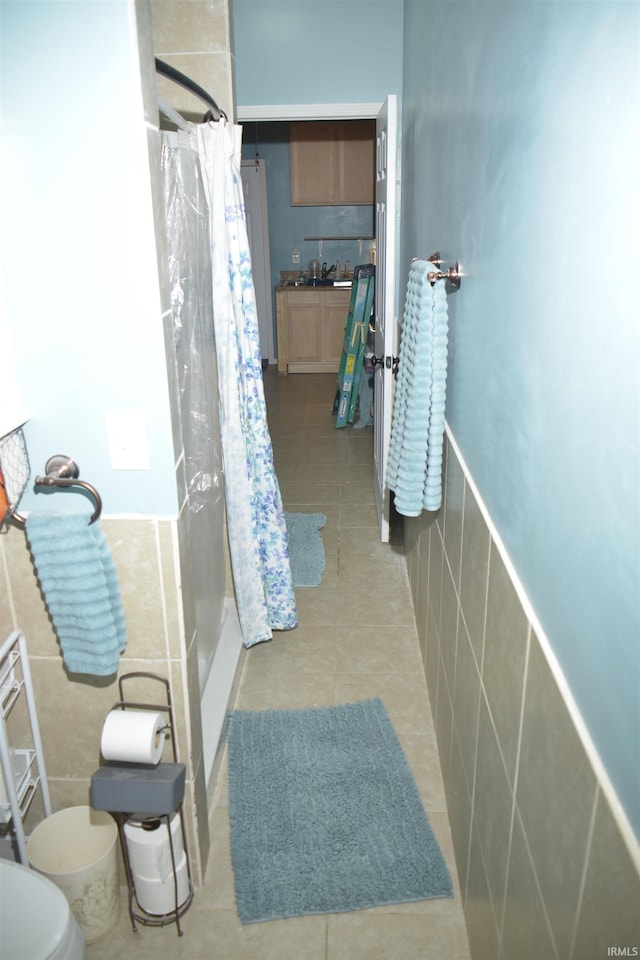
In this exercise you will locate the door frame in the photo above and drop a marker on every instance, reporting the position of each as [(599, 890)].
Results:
[(320, 111), (308, 111), (261, 113)]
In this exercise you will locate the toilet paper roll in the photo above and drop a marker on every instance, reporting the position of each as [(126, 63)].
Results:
[(133, 736), (159, 898), (149, 850)]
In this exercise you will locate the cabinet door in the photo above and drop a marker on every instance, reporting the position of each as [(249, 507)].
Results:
[(356, 162), (336, 309), (332, 162), (314, 163), (303, 327)]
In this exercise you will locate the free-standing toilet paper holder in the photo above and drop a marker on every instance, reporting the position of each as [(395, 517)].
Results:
[(139, 793)]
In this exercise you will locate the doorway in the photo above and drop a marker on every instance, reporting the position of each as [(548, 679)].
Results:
[(291, 227), (383, 222)]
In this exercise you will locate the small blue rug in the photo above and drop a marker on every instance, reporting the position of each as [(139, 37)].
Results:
[(306, 549), (325, 814)]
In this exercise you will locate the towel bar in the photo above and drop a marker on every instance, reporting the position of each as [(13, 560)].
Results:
[(62, 471), (453, 274)]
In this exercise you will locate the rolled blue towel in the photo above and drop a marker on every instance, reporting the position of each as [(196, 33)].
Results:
[(80, 587), (414, 467)]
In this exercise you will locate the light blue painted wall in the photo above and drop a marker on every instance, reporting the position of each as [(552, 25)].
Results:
[(78, 245), (521, 159), (304, 51)]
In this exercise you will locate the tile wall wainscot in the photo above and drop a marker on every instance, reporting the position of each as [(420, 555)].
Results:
[(157, 600), (545, 868)]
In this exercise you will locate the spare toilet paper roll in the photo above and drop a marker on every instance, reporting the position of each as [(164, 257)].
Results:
[(149, 850), (160, 898), (133, 736)]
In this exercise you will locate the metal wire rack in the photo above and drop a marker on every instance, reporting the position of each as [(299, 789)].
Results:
[(14, 472)]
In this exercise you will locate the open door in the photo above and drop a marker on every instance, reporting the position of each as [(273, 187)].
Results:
[(386, 326)]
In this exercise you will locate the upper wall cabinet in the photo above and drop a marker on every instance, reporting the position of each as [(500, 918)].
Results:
[(332, 162)]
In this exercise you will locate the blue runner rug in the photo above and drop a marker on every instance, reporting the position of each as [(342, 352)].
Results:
[(325, 814), (306, 549)]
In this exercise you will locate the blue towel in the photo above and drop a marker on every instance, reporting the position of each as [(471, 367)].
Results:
[(414, 469), (80, 586)]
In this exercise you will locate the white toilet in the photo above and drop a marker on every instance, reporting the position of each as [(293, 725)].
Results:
[(36, 922)]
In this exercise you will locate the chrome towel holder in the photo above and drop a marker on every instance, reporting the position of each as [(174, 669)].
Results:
[(452, 274), (62, 471)]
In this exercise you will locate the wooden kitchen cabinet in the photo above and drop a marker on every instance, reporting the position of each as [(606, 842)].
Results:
[(332, 162), (311, 322)]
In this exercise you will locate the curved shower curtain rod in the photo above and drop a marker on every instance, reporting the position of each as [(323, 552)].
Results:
[(214, 113)]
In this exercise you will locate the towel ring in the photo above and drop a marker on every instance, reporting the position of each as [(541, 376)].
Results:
[(62, 471)]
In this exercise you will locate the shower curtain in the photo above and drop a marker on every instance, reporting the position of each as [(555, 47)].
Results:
[(186, 221), (255, 516)]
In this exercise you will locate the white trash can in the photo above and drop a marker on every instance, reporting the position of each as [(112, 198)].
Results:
[(77, 849)]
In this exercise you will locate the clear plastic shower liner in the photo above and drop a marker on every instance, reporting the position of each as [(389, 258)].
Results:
[(189, 267)]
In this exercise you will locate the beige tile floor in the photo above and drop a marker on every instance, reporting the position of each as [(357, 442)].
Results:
[(356, 639)]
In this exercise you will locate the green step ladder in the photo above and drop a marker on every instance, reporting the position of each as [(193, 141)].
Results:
[(355, 337)]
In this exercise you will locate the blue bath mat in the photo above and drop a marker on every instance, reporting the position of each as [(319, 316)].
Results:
[(306, 549), (325, 814)]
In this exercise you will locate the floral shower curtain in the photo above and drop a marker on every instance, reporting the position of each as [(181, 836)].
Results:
[(255, 515)]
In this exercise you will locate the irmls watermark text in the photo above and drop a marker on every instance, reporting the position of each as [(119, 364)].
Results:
[(623, 951)]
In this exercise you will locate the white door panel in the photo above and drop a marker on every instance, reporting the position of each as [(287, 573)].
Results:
[(254, 184), (386, 333)]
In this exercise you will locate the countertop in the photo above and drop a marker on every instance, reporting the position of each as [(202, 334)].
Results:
[(341, 285)]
